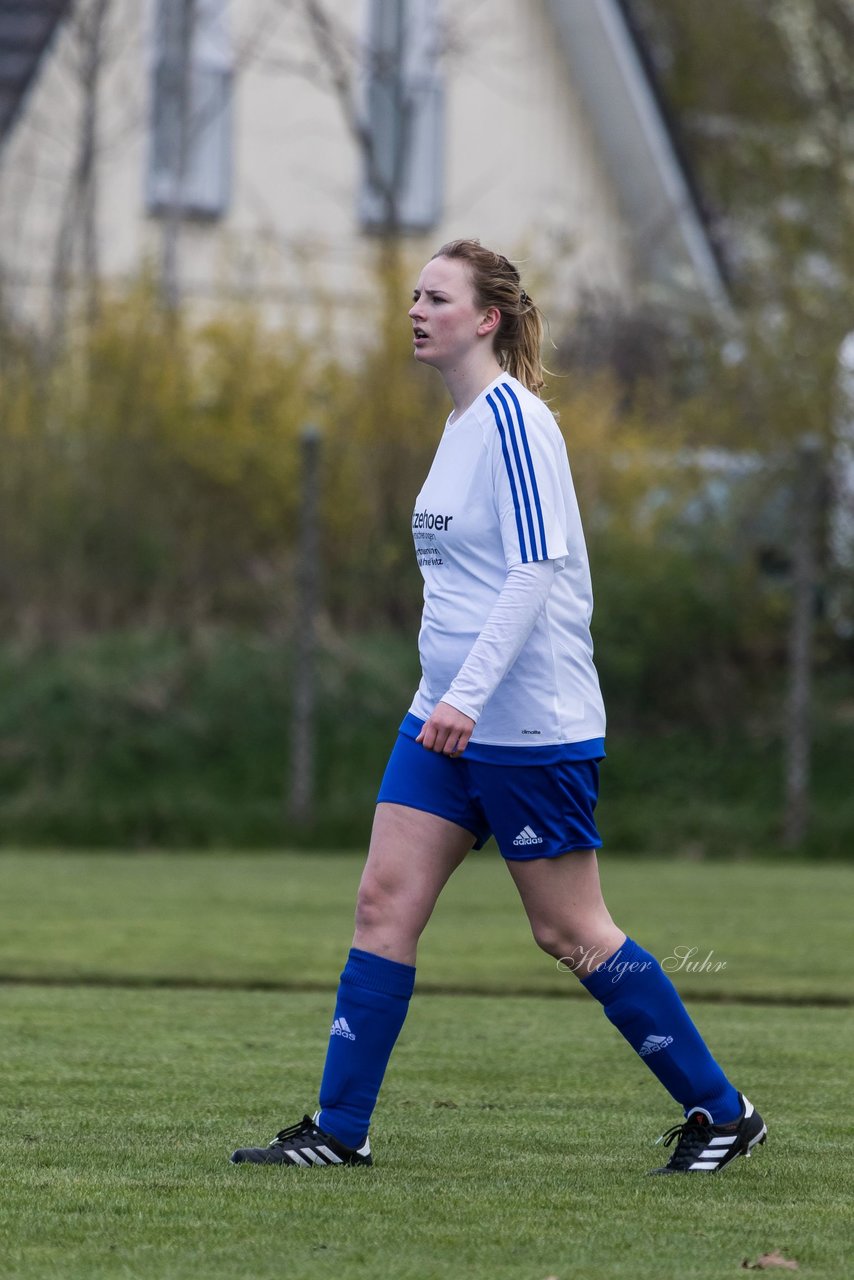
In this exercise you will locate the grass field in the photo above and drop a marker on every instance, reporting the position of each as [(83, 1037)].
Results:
[(157, 1011)]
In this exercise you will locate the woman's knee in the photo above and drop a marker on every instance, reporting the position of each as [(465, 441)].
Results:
[(576, 941), (387, 907), (553, 937), (374, 903)]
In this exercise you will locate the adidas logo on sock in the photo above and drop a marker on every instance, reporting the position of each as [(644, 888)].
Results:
[(528, 836), (340, 1027), (653, 1043)]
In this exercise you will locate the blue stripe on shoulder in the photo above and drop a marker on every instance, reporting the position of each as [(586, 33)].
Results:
[(513, 490), (520, 417), (520, 470)]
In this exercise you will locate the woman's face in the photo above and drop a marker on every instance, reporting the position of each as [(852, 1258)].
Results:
[(445, 317)]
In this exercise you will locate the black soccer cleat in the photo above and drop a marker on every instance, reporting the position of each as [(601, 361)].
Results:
[(305, 1145), (703, 1147)]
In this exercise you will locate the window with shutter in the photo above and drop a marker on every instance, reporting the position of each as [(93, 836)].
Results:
[(189, 159), (403, 161)]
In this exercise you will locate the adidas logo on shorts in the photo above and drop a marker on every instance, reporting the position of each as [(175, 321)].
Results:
[(340, 1027), (653, 1043), (528, 836)]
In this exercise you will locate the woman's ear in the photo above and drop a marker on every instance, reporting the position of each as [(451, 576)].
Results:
[(490, 322)]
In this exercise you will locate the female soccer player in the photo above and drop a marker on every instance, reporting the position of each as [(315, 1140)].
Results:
[(503, 737)]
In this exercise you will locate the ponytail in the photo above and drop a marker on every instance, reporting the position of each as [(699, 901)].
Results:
[(496, 282)]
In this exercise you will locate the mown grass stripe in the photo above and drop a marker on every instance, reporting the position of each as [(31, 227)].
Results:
[(165, 982)]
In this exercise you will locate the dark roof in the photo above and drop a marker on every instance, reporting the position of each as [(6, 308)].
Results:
[(26, 27), (677, 140), (663, 218)]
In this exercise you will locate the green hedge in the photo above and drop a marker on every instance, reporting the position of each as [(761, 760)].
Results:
[(149, 739)]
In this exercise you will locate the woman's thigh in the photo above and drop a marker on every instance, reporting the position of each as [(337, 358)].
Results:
[(564, 904), (411, 856)]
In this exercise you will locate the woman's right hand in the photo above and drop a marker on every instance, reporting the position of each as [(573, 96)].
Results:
[(446, 731)]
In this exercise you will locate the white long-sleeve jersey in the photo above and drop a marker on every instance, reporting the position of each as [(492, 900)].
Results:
[(499, 494)]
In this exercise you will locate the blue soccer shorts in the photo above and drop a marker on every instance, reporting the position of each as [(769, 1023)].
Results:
[(534, 811)]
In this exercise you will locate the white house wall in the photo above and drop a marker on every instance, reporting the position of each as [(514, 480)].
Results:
[(522, 169), (36, 164)]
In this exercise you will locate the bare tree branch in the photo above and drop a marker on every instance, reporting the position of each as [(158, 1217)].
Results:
[(79, 221)]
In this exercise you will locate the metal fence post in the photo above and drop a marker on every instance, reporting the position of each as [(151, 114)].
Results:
[(303, 717), (798, 722)]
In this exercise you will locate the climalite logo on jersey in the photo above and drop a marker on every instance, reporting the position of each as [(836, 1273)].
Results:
[(652, 1044), (341, 1028), (528, 836)]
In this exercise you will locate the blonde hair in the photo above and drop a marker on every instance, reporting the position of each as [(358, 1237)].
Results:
[(496, 282)]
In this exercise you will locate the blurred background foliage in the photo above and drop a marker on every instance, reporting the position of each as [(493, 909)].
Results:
[(762, 98), (151, 481), (150, 504)]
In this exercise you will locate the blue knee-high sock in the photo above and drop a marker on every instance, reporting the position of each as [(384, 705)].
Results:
[(373, 999), (645, 1007)]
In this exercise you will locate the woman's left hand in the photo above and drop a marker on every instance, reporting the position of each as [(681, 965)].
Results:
[(447, 730)]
